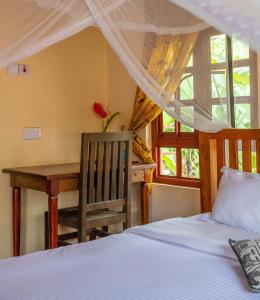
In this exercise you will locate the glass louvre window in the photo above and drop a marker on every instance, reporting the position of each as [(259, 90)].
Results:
[(244, 80), (244, 85), (240, 50), (219, 112), (186, 87), (168, 161), (241, 81), (218, 84), (190, 163), (168, 123), (175, 145), (218, 48), (187, 112), (243, 115)]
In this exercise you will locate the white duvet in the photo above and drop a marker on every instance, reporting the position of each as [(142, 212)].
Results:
[(173, 259)]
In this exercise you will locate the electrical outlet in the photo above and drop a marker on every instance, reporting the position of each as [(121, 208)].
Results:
[(32, 133), (24, 70)]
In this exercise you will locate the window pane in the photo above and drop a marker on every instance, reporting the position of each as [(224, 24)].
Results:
[(185, 128), (168, 161), (168, 123), (243, 115), (219, 113), (190, 63), (218, 48), (190, 163), (240, 49), (219, 84), (241, 77), (186, 87), (187, 114)]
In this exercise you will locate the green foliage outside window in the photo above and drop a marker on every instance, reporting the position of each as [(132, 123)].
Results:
[(168, 161), (168, 123), (190, 163)]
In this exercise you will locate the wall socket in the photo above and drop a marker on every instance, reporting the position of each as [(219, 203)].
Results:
[(32, 133)]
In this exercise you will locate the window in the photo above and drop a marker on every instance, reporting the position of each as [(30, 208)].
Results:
[(176, 146), (244, 79), (175, 149)]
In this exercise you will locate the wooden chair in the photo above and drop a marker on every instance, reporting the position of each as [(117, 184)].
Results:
[(104, 192)]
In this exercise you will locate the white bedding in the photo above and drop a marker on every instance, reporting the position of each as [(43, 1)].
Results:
[(173, 259)]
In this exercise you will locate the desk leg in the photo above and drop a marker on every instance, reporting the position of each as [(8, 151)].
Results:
[(53, 221), (145, 200), (16, 220)]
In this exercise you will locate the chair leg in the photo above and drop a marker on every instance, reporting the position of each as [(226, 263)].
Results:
[(92, 235), (46, 229), (105, 228), (125, 226)]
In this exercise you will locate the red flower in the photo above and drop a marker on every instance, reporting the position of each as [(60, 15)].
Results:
[(98, 109)]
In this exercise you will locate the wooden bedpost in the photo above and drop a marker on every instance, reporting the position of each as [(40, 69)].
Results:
[(205, 172)]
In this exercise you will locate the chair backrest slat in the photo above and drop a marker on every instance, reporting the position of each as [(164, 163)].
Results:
[(99, 170), (84, 166), (121, 157), (83, 191), (127, 180), (107, 164), (114, 171), (92, 169)]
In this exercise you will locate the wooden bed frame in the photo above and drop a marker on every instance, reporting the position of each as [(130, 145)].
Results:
[(221, 149)]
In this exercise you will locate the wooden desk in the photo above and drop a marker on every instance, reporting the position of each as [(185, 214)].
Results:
[(54, 179)]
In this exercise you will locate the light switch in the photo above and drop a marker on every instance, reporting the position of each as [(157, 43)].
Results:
[(13, 70), (32, 133)]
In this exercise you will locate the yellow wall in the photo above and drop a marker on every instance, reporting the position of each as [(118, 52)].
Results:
[(66, 78), (120, 90)]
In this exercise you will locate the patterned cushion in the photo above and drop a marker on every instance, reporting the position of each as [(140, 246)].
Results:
[(248, 254)]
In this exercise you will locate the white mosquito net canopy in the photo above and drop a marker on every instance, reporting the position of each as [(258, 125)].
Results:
[(154, 39)]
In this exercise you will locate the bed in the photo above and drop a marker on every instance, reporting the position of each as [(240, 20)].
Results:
[(181, 258), (172, 259)]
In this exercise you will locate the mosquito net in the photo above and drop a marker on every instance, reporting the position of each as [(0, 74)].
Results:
[(169, 47)]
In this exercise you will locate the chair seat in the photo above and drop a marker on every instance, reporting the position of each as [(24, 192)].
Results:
[(69, 217)]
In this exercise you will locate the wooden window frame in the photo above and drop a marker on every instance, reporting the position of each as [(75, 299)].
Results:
[(178, 140)]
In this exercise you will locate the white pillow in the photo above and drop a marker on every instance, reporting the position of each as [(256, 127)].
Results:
[(238, 200)]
